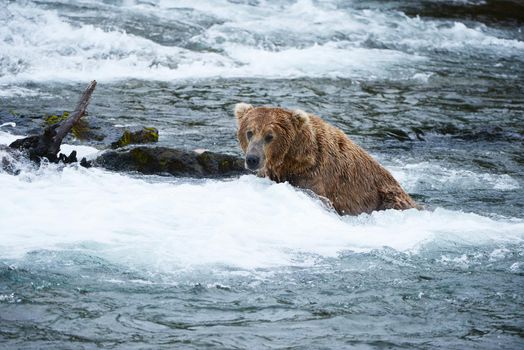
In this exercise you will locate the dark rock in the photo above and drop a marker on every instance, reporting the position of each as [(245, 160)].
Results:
[(163, 160), (86, 163), (25, 143), (71, 158), (38, 146), (145, 135)]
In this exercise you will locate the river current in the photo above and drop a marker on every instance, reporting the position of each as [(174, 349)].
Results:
[(96, 259)]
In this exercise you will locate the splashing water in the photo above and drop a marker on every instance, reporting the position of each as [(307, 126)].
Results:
[(92, 258)]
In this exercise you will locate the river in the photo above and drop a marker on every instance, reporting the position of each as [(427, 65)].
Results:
[(96, 259)]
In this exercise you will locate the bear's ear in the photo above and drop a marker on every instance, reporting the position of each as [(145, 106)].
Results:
[(241, 109), (300, 117)]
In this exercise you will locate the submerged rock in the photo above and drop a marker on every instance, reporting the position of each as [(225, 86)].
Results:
[(163, 160), (145, 135)]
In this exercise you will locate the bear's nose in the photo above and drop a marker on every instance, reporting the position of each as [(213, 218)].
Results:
[(252, 161)]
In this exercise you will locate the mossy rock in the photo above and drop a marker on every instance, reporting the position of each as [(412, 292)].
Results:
[(81, 130), (176, 162), (219, 163), (55, 119), (145, 135)]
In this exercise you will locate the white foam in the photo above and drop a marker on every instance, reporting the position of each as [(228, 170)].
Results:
[(11, 124), (9, 298), (170, 224), (81, 150), (330, 60), (6, 138), (17, 91), (422, 77), (301, 39), (247, 222)]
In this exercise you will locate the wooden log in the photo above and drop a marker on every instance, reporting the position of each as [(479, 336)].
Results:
[(48, 143)]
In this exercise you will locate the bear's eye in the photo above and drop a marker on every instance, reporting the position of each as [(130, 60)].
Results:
[(268, 138), (249, 135)]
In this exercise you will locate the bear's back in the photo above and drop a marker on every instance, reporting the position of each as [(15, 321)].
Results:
[(350, 177)]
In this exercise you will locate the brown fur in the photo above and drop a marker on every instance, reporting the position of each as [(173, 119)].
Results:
[(309, 153)]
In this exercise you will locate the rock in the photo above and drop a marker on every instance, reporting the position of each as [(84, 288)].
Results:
[(39, 146), (86, 163), (145, 135), (71, 158), (55, 119), (82, 130), (163, 160)]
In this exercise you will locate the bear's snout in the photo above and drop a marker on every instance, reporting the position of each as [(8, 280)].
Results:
[(252, 162)]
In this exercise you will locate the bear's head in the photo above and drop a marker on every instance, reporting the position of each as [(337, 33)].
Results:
[(276, 141)]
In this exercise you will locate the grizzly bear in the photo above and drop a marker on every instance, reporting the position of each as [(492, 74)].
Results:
[(309, 153)]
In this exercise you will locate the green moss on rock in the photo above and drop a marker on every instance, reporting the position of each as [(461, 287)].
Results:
[(80, 130), (177, 162), (151, 134), (55, 119), (224, 165), (139, 156), (145, 135)]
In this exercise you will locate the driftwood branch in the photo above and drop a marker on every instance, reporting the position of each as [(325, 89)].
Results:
[(48, 144), (147, 160), (65, 127)]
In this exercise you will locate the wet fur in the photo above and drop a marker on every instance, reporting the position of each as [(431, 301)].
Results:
[(310, 153)]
